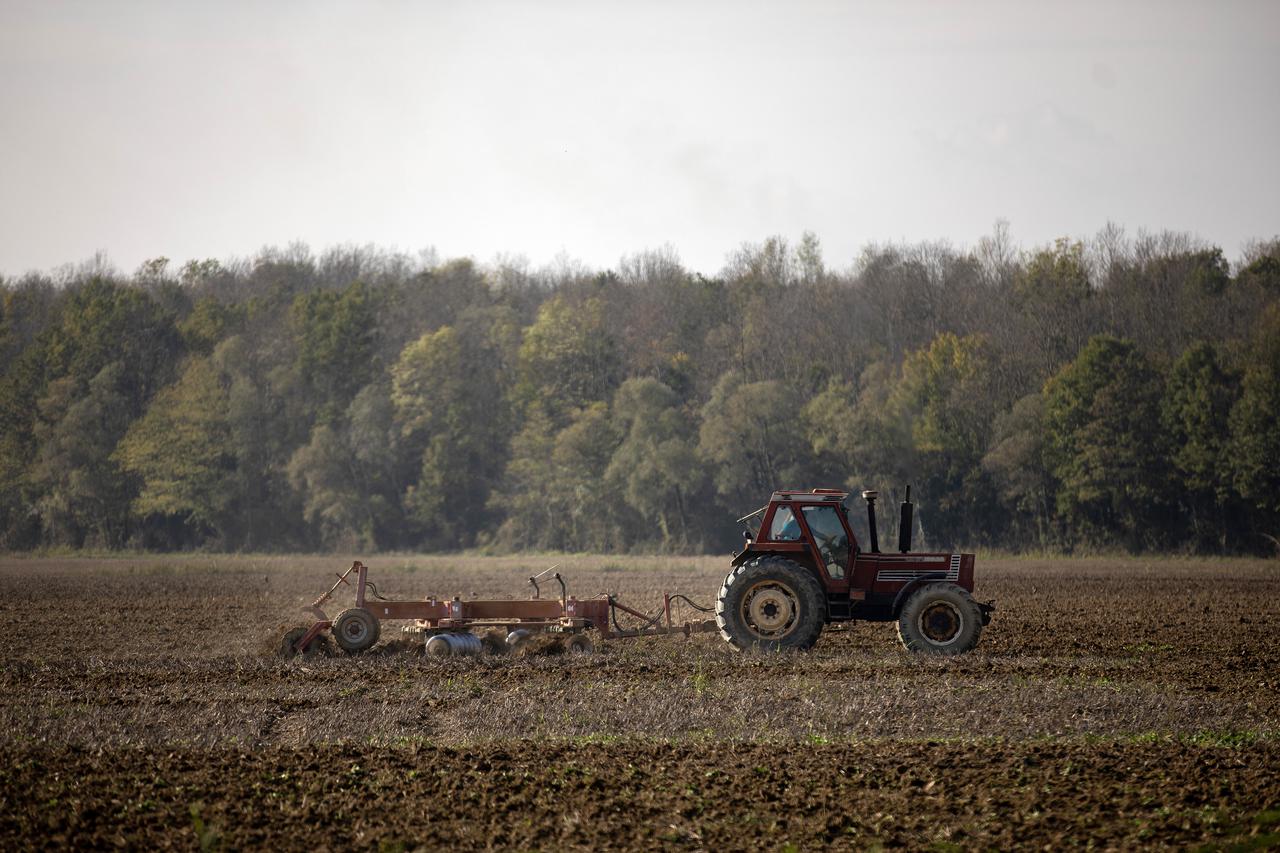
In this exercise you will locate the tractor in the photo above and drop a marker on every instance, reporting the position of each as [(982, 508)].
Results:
[(803, 568)]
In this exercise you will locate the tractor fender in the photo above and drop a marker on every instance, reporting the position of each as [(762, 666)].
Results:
[(790, 550), (911, 586), (798, 552)]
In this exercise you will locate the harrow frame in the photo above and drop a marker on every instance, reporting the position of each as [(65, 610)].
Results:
[(565, 614)]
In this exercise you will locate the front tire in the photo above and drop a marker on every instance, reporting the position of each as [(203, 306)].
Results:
[(940, 619), (771, 603)]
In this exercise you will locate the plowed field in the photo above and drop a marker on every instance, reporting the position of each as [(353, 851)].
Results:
[(1112, 702)]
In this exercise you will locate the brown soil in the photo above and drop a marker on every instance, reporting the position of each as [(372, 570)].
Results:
[(541, 645), (1119, 703), (646, 795)]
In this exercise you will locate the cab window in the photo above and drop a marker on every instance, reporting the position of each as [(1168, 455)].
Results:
[(785, 528), (830, 537)]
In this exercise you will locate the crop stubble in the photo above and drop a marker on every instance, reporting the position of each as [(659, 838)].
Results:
[(1120, 701)]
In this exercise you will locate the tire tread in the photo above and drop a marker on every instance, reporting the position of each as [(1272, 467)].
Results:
[(972, 632), (812, 612)]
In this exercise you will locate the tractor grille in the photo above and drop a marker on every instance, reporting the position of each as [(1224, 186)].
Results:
[(896, 574)]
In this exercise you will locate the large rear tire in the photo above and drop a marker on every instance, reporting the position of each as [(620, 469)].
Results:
[(940, 619), (771, 603), (356, 630)]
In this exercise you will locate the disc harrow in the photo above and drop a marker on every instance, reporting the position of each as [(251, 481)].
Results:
[(447, 626)]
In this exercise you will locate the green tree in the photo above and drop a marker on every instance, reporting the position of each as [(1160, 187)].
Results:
[(1052, 296), (831, 424), (945, 395), (436, 297), (182, 454), (348, 475), (568, 358), (450, 406), (268, 421), (1016, 461), (531, 507), (21, 387), (27, 309), (83, 499), (103, 322), (555, 494), (108, 348), (209, 323), (656, 467), (538, 414), (809, 259), (336, 332), (858, 433), (1209, 271), (593, 512), (926, 424), (1255, 428), (1264, 272), (937, 383), (1199, 395), (210, 454), (1103, 445), (753, 439)]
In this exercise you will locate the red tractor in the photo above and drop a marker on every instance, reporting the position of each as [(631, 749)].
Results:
[(803, 568)]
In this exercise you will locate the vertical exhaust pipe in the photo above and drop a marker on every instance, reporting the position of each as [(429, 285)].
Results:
[(870, 498), (904, 525)]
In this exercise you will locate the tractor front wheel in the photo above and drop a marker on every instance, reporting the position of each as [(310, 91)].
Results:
[(771, 603), (940, 619), (356, 630)]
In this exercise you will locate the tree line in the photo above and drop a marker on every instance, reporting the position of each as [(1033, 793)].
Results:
[(1113, 392)]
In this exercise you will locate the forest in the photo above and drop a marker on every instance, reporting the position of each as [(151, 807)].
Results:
[(1110, 393)]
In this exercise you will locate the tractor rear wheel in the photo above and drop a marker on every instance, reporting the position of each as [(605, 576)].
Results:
[(771, 603), (940, 619), (356, 630)]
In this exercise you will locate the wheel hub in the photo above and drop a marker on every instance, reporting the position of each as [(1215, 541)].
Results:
[(940, 622), (770, 610)]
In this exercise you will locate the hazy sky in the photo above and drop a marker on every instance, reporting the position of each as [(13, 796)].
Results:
[(597, 129)]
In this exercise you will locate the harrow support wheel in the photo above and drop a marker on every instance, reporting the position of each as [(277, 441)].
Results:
[(771, 603), (356, 630), (579, 644), (940, 619), (518, 639)]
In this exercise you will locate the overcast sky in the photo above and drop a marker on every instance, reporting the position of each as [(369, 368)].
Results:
[(597, 129)]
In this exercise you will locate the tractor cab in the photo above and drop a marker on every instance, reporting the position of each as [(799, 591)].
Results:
[(814, 525)]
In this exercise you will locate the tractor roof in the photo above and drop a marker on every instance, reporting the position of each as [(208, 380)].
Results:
[(834, 496)]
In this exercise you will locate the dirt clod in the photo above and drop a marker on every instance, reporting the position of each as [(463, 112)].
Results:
[(541, 645), (494, 643)]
